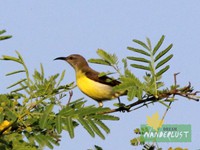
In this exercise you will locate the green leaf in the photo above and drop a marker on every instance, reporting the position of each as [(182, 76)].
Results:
[(70, 127), (15, 72), (66, 111), (138, 51), (10, 58), (99, 61), (18, 82), (162, 53), (158, 44), (140, 67), (139, 59), (77, 104), (58, 124), (95, 128), (105, 117), (159, 84), (164, 61), (1, 117), (125, 63), (103, 126), (141, 44), (124, 85), (137, 141), (20, 57), (37, 75), (47, 140), (131, 94), (54, 141), (103, 54), (101, 74), (129, 82), (42, 70), (44, 118), (166, 105), (162, 71), (19, 89), (110, 58), (49, 145), (2, 31), (98, 147), (10, 114), (86, 126), (40, 140), (88, 110), (5, 37), (61, 78), (149, 43)]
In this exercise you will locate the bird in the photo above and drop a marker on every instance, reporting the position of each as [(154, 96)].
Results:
[(89, 81)]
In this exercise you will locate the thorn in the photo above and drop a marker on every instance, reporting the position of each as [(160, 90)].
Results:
[(175, 80), (123, 109), (189, 85), (176, 73), (197, 92)]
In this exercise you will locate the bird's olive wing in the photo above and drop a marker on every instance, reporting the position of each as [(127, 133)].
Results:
[(103, 79)]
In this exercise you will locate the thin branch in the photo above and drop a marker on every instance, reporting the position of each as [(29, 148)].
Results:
[(175, 84), (128, 107), (70, 97), (175, 79), (167, 109), (164, 95)]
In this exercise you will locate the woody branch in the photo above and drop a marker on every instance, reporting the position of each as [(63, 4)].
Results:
[(165, 95)]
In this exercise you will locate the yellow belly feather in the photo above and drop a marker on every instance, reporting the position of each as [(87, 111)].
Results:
[(93, 89)]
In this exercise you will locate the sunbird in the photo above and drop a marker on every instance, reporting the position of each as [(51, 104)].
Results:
[(89, 81)]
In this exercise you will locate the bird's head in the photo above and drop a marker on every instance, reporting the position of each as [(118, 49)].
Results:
[(75, 60)]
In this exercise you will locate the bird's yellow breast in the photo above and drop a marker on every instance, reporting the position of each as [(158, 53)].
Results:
[(94, 89)]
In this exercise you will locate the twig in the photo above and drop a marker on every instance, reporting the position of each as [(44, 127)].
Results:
[(70, 97), (175, 80), (175, 84), (165, 95), (167, 109), (128, 107)]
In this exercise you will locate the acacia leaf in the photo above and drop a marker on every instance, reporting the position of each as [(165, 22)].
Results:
[(164, 61), (158, 44), (162, 53)]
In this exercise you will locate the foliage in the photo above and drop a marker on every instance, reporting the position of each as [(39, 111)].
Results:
[(37, 110), (151, 61), (5, 36), (96, 147), (154, 62)]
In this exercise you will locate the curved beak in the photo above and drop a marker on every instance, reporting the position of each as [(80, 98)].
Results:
[(60, 58)]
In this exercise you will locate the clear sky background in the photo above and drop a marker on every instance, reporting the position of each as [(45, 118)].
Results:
[(44, 30)]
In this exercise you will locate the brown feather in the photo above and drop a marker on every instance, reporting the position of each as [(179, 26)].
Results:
[(94, 75)]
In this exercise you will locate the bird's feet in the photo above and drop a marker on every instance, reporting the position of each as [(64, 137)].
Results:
[(122, 107)]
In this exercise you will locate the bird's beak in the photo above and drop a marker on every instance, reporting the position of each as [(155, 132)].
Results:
[(60, 58)]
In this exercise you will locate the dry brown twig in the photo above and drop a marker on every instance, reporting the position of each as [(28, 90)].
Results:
[(70, 97)]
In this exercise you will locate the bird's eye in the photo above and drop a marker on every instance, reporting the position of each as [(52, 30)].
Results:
[(71, 57)]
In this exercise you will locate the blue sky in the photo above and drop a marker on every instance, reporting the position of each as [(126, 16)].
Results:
[(43, 30)]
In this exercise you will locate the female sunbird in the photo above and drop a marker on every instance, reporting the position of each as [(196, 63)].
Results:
[(99, 88)]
